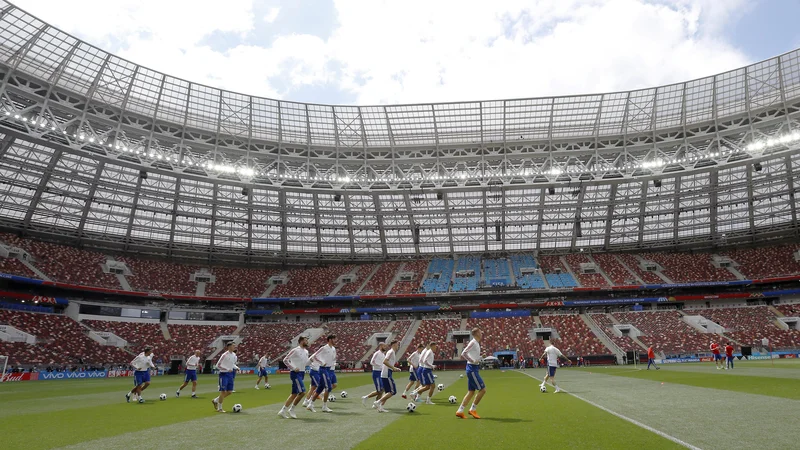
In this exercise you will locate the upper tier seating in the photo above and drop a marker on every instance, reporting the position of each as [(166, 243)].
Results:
[(619, 275), (271, 339), (418, 267), (551, 265), (575, 337), (587, 279), (436, 330), (13, 266), (496, 272), (687, 267), (351, 337), (362, 273), (528, 280), (766, 262), (237, 282), (624, 343), (790, 310), (160, 276), (749, 324), (467, 283), (311, 282), (381, 279), (667, 332), (444, 269), (633, 263)]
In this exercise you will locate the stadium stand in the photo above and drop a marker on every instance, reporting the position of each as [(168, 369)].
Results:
[(160, 276), (551, 265), (586, 279), (624, 343), (618, 274), (436, 330), (667, 332), (238, 282), (13, 266), (312, 282), (789, 310), (271, 339), (528, 280), (508, 333), (766, 262), (575, 337), (362, 273), (351, 337), (467, 264), (137, 334), (688, 267), (401, 327), (186, 338), (418, 267), (441, 268), (496, 272), (633, 263), (749, 324), (382, 278)]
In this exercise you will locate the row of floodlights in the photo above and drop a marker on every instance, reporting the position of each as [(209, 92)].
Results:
[(789, 138)]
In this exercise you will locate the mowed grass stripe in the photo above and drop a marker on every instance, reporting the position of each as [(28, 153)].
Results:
[(72, 421), (785, 385), (516, 415)]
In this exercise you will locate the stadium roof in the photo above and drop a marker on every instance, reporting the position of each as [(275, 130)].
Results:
[(97, 148)]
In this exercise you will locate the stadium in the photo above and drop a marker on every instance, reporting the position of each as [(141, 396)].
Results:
[(138, 209)]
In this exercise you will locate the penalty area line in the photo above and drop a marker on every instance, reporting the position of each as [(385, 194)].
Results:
[(628, 419)]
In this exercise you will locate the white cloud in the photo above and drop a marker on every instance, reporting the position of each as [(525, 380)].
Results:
[(272, 15), (421, 50)]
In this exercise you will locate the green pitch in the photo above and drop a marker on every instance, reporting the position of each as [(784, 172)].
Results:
[(681, 406)]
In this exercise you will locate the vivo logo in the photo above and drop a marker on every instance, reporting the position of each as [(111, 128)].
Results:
[(68, 375)]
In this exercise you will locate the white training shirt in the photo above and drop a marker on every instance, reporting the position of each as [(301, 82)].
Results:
[(377, 360), (391, 358), (313, 362), (413, 361), (263, 362), (472, 352), (296, 359), (191, 363), (142, 362), (552, 355), (326, 355), (227, 362), (426, 359)]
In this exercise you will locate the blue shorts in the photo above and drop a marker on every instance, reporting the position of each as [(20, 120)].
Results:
[(376, 380), (314, 376), (388, 384), (730, 358), (474, 380), (191, 375), (717, 357), (263, 372), (226, 381), (298, 386), (333, 376), (141, 377), (418, 373), (551, 370), (324, 380), (412, 375), (426, 377)]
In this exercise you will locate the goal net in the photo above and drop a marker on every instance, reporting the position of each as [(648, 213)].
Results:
[(4, 366)]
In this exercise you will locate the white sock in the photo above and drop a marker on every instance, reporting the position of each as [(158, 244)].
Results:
[(283, 408), (461, 409), (217, 400), (473, 407)]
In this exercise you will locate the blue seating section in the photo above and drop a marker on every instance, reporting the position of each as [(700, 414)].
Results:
[(461, 284), (438, 265), (497, 273), (562, 280), (527, 281)]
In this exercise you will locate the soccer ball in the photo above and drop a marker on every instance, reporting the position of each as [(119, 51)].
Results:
[(411, 407), (163, 397), (331, 398), (267, 386), (543, 389), (461, 376), (435, 376), (237, 408), (141, 400), (343, 394), (452, 399), (440, 387)]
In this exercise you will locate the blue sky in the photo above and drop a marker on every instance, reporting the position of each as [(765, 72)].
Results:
[(383, 52)]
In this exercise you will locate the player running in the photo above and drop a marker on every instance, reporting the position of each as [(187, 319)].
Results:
[(191, 374), (227, 367), (388, 366), (325, 356), (552, 354), (651, 358), (375, 362), (141, 375), (296, 360), (472, 353), (413, 366), (314, 377), (261, 370), (728, 356), (425, 375), (717, 355)]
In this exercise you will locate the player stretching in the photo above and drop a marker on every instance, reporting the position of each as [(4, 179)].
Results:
[(227, 367), (296, 360), (426, 373), (651, 358), (728, 356), (717, 355), (552, 354), (325, 356), (314, 377), (141, 375), (261, 370), (413, 365), (472, 353), (389, 388), (191, 374), (375, 362)]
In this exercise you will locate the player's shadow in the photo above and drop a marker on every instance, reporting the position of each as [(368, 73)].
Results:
[(312, 419), (505, 419), (347, 413)]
